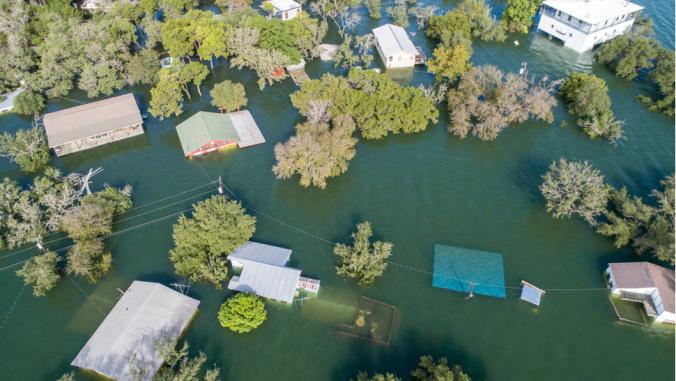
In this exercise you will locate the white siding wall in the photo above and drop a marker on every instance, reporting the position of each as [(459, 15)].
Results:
[(576, 39), (288, 15), (666, 317), (402, 59)]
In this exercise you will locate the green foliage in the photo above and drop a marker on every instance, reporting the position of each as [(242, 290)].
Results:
[(29, 103), (143, 68), (518, 16), (242, 313), (449, 62), (317, 152), (41, 272), (88, 258), (275, 35), (70, 376), (231, 5), (364, 376), (228, 96), (166, 98), (355, 52), (86, 222), (574, 188), (175, 8), (27, 148), (663, 76), (650, 229), (399, 13), (177, 366), (430, 370), (363, 260), (586, 96), (373, 7), (378, 105), (204, 240), (486, 101), (470, 19)]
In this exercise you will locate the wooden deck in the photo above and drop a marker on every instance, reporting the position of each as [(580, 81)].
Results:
[(420, 58), (299, 76)]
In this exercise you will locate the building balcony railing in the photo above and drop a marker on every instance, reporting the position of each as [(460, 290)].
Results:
[(582, 27)]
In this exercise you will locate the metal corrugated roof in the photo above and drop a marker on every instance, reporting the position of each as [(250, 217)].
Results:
[(594, 11), (146, 314), (272, 282), (259, 252), (247, 129), (91, 119), (393, 39)]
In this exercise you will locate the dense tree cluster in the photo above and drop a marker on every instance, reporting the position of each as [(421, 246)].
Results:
[(378, 105), (203, 241), (52, 203), (242, 313), (639, 52), (428, 370), (355, 51), (178, 365), (319, 150), (518, 16), (586, 96), (363, 260), (486, 101), (27, 148)]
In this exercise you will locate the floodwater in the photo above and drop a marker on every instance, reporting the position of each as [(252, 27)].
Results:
[(417, 190)]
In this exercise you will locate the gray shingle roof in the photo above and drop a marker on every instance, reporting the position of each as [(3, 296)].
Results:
[(645, 275)]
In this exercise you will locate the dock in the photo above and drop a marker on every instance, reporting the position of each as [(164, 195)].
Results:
[(420, 57), (299, 76)]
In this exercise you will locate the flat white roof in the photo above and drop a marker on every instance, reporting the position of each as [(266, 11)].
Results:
[(393, 40), (594, 11), (247, 129), (259, 252), (146, 313), (284, 5), (269, 281)]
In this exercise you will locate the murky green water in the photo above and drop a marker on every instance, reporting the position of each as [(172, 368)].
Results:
[(417, 190)]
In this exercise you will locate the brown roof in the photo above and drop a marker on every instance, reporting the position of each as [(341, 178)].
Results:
[(91, 119), (646, 275)]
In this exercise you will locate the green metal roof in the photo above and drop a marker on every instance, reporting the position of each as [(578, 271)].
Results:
[(203, 127)]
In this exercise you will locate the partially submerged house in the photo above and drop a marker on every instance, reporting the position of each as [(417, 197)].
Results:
[(129, 338), (645, 283), (395, 47), (285, 9), (264, 273), (206, 132), (93, 124), (583, 24)]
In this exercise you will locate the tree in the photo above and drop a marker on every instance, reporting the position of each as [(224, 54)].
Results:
[(203, 241), (663, 76), (70, 376), (363, 260), (650, 229), (317, 152), (86, 221), (574, 188), (242, 313), (470, 19), (41, 272), (486, 101), (166, 98), (399, 13), (228, 96), (88, 258), (373, 7), (355, 52), (27, 148), (587, 97), (518, 16), (449, 62), (177, 366), (364, 376), (143, 67), (29, 103), (430, 370), (231, 5)]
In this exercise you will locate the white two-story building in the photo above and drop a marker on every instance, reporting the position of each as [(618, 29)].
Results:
[(583, 24), (285, 9), (645, 283)]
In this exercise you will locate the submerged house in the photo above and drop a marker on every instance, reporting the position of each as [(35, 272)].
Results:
[(264, 273), (285, 9), (395, 47), (93, 124), (127, 340), (645, 283), (206, 132), (583, 24)]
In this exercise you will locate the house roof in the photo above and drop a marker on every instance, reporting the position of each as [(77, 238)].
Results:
[(259, 252), (284, 5), (645, 275), (467, 270), (204, 126), (269, 281), (594, 11), (146, 314), (393, 39), (91, 119)]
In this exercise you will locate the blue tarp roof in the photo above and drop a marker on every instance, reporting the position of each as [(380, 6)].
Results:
[(460, 269)]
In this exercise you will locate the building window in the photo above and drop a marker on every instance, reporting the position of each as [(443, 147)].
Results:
[(569, 18), (552, 25), (391, 58), (579, 22), (570, 34), (559, 13)]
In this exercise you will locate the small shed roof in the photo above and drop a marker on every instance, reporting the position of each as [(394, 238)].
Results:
[(284, 5), (91, 119), (594, 11), (146, 314), (466, 270), (259, 252), (645, 275), (269, 281), (531, 294), (393, 40), (204, 126)]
